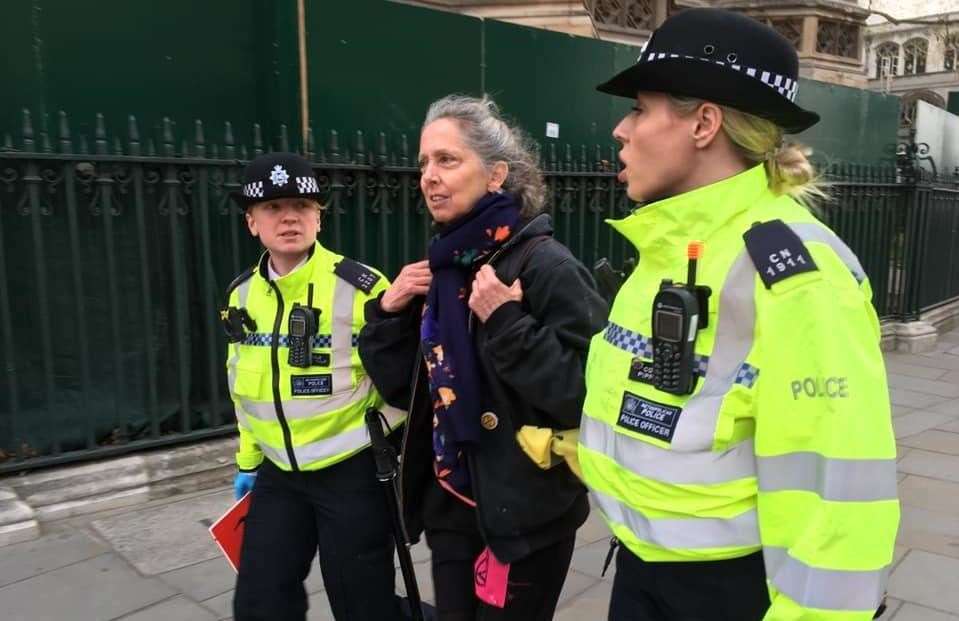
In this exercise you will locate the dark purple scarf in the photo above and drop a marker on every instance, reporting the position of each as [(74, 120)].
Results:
[(454, 375)]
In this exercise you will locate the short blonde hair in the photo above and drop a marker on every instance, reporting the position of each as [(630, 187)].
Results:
[(759, 140)]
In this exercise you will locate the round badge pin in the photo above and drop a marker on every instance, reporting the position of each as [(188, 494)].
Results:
[(489, 421)]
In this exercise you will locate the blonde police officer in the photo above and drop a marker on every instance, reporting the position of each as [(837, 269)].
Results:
[(748, 466), (300, 394)]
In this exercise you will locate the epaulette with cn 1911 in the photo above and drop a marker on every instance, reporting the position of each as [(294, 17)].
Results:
[(777, 252)]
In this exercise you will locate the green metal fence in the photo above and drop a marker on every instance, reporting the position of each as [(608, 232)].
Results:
[(903, 224), (114, 255)]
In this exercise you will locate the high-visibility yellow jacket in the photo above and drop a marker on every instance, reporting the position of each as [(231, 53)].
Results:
[(303, 418), (786, 444)]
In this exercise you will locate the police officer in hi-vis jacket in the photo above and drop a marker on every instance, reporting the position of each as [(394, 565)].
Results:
[(736, 433), (300, 394)]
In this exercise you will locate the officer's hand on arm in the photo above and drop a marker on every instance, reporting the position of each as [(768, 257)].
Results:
[(413, 280), (489, 293), (243, 483)]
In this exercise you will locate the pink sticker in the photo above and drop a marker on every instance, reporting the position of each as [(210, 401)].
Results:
[(490, 579)]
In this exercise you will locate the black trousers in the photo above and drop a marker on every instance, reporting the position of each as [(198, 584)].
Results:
[(732, 590), (533, 586), (340, 510)]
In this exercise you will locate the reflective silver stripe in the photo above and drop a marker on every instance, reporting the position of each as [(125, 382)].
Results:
[(734, 340), (683, 534), (348, 441), (828, 589), (342, 335), (242, 418), (394, 416), (853, 480), (808, 231), (242, 291), (295, 409), (676, 467)]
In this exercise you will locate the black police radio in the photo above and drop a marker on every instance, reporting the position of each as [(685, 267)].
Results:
[(302, 325), (679, 313)]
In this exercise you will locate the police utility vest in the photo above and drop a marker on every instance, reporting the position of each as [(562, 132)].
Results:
[(302, 418), (785, 444)]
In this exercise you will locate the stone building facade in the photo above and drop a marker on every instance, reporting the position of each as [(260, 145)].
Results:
[(827, 33), (918, 59)]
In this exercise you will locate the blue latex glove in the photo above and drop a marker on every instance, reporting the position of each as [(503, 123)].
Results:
[(243, 483)]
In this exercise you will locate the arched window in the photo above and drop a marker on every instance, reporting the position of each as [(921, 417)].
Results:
[(951, 52), (915, 51), (887, 55)]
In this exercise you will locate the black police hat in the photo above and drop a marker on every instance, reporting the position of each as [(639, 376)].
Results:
[(723, 57), (276, 175)]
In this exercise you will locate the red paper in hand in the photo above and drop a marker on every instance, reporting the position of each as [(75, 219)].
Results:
[(228, 530)]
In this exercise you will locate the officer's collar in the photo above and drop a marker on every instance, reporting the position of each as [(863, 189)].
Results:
[(319, 258), (663, 229)]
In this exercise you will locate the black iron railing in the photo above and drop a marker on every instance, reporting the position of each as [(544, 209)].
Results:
[(114, 255)]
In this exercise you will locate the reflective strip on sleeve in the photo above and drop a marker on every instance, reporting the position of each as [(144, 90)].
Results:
[(342, 335), (675, 467), (808, 231), (828, 589), (851, 480), (682, 534)]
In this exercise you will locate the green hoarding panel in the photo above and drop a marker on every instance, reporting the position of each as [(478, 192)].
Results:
[(856, 126), (218, 60), (375, 66), (541, 77)]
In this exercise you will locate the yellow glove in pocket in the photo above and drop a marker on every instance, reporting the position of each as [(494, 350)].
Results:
[(549, 447)]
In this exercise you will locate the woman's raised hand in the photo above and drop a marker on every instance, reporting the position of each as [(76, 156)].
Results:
[(413, 280)]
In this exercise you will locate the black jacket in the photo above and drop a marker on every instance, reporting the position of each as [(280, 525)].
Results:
[(532, 355)]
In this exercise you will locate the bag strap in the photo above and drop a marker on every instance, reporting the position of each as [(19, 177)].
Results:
[(526, 250)]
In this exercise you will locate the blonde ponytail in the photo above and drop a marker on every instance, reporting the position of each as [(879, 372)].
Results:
[(758, 140)]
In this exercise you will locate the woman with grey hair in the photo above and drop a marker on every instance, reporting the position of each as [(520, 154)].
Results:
[(492, 328)]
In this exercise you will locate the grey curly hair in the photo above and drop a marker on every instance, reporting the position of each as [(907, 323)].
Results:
[(495, 140)]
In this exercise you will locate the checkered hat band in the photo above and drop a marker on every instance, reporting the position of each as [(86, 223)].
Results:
[(253, 190), (265, 339), (785, 86), (307, 185), (642, 346)]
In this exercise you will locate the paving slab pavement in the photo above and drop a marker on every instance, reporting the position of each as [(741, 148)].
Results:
[(155, 561)]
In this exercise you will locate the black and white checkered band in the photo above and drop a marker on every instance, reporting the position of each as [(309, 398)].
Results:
[(253, 190), (307, 185), (787, 87)]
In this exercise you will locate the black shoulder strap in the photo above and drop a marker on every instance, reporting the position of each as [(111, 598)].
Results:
[(239, 280), (777, 252), (357, 274), (526, 251)]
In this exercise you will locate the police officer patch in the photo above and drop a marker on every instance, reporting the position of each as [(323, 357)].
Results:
[(309, 385), (656, 420), (777, 252)]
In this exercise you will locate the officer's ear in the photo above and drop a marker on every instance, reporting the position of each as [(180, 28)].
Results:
[(708, 120), (250, 221)]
